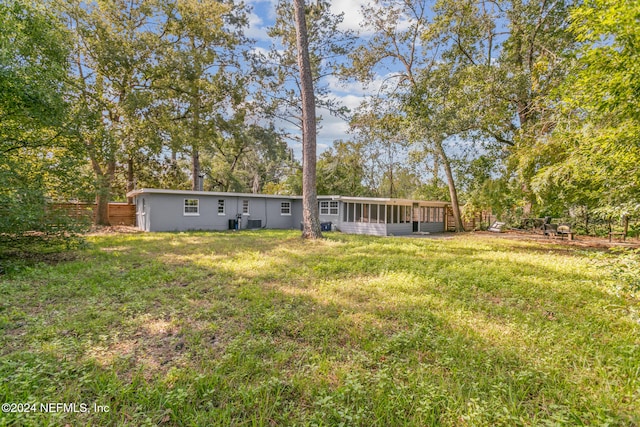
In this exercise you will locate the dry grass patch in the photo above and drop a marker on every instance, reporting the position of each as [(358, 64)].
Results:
[(262, 328)]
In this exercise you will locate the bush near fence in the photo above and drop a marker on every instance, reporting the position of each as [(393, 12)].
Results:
[(119, 213)]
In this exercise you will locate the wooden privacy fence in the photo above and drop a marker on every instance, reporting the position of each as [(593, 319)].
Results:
[(122, 214), (119, 213), (474, 222)]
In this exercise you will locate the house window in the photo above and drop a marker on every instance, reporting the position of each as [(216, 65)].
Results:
[(191, 207), (220, 206), (328, 208), (245, 207), (285, 208)]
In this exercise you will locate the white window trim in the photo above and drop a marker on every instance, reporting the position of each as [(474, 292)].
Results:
[(247, 213), (327, 208), (224, 207), (283, 213), (336, 207), (184, 207)]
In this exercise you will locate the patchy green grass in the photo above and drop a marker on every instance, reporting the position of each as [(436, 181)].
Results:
[(262, 328)]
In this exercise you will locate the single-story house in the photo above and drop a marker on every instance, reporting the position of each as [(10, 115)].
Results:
[(181, 210)]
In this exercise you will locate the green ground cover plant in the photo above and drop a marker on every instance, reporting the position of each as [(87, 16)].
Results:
[(263, 328)]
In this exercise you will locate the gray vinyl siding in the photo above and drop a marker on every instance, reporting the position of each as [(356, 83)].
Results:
[(274, 217), (372, 229), (399, 229), (432, 227), (333, 219), (157, 210), (296, 213), (261, 209), (168, 212)]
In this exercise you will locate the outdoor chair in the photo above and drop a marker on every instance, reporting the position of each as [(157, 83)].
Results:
[(550, 230), (565, 230)]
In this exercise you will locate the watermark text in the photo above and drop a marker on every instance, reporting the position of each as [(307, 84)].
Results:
[(54, 407)]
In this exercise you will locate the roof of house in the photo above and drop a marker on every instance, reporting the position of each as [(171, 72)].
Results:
[(391, 201), (141, 191), (348, 199)]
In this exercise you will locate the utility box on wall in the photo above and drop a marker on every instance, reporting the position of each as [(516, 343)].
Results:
[(254, 223)]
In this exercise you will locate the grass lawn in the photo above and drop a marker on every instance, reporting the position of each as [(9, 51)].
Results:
[(262, 328)]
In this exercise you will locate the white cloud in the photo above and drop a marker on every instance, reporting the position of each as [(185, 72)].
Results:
[(349, 94), (264, 10), (352, 13), (257, 28), (358, 88), (258, 50), (353, 18), (351, 101), (262, 15)]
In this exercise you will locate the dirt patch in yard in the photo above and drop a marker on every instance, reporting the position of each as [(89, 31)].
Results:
[(588, 242), (154, 346), (101, 230)]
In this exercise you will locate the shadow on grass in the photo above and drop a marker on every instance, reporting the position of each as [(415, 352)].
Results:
[(264, 328)]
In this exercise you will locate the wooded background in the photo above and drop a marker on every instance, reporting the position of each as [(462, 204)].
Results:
[(523, 108)]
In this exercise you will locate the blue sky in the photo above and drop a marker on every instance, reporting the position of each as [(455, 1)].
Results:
[(350, 95)]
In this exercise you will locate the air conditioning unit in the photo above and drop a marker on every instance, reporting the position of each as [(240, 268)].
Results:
[(254, 223)]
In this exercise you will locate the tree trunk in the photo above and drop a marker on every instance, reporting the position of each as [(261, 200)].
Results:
[(455, 206), (197, 184), (130, 178), (436, 168), (195, 169), (310, 215), (255, 187), (102, 202), (586, 220), (392, 189), (103, 193)]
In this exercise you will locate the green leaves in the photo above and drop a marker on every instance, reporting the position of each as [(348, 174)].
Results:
[(37, 161), (608, 73), (593, 154), (33, 66)]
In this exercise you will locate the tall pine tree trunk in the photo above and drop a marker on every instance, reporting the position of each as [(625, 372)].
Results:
[(195, 169), (310, 215), (196, 184)]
